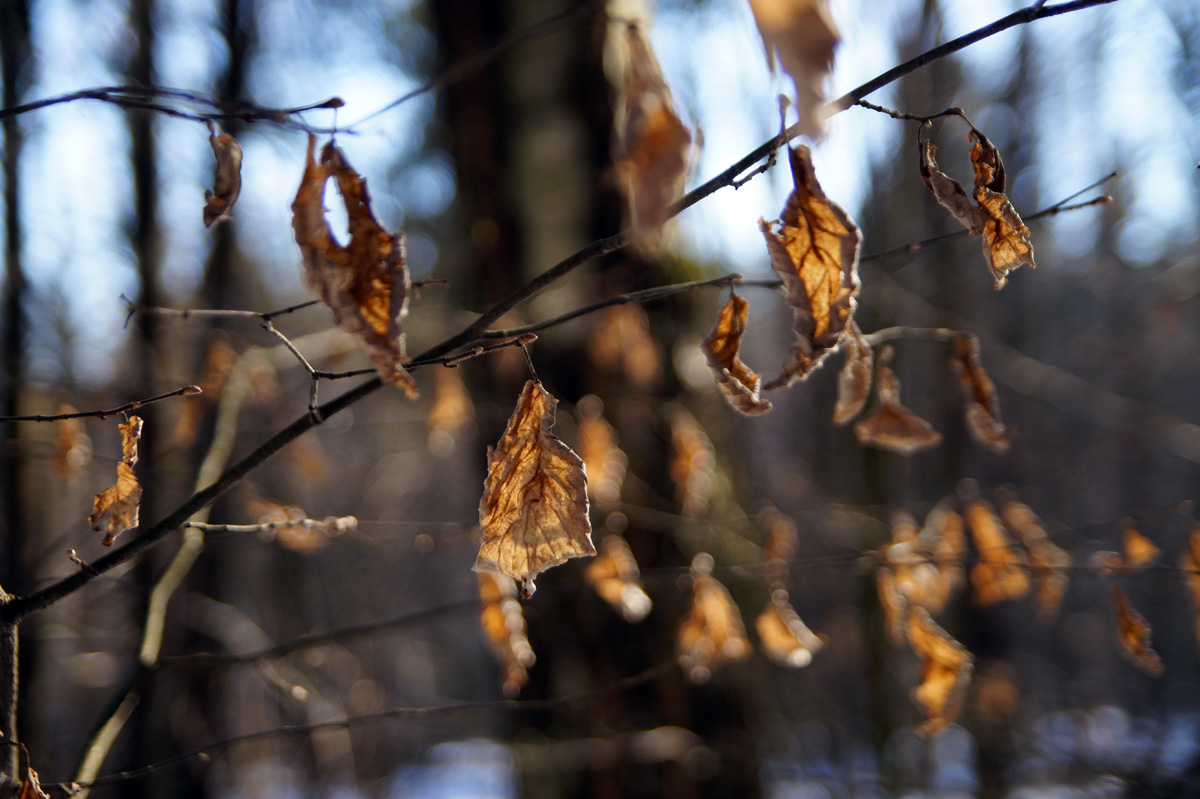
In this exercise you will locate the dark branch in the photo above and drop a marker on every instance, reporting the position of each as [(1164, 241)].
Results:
[(186, 391)]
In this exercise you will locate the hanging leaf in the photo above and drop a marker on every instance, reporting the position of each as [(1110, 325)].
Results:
[(803, 35), (946, 667), (366, 282), (1133, 633), (784, 637), (739, 385), (1047, 561), (115, 509), (534, 509), (815, 253), (1000, 572), (1189, 564), (917, 581), (713, 632), (503, 625), (228, 183), (606, 463), (615, 576), (854, 381), (983, 405), (890, 425), (31, 787), (1140, 551), (656, 145)]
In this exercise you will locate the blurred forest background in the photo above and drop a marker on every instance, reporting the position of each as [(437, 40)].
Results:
[(495, 174)]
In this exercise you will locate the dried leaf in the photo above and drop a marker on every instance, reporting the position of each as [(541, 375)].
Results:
[(656, 145), (738, 383), (72, 444), (948, 191), (890, 425), (784, 637), (228, 182), (713, 632), (606, 463), (622, 342), (1133, 633), (893, 604), (365, 283), (948, 542), (115, 509), (916, 581), (31, 788), (983, 405), (503, 625), (946, 670), (1140, 551), (854, 381), (1000, 572), (534, 509), (615, 576), (1047, 560), (815, 252), (1189, 564), (693, 464), (450, 413), (804, 36)]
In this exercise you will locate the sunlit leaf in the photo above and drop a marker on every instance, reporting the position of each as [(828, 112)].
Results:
[(450, 413), (948, 541), (946, 667), (1000, 572), (784, 637), (1139, 550), (914, 579), (31, 786), (534, 509), (1048, 561), (228, 182), (615, 576), (890, 425), (803, 35), (893, 604), (779, 544), (738, 383), (115, 509), (622, 343), (366, 282), (693, 464), (606, 463), (713, 632), (983, 405), (503, 625), (854, 381), (814, 249), (1133, 634)]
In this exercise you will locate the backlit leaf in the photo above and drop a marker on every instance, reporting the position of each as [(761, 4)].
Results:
[(615, 576), (534, 509), (606, 463), (784, 637), (890, 425), (814, 249), (503, 625), (693, 464), (946, 667), (738, 383), (713, 632), (1000, 572), (228, 182), (1047, 561), (450, 413), (1140, 551), (622, 343), (893, 604), (945, 530), (366, 282), (779, 544), (803, 35), (854, 381), (983, 405), (1133, 634), (115, 509), (72, 444)]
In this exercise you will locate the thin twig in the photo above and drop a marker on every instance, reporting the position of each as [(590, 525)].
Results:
[(186, 391), (949, 112)]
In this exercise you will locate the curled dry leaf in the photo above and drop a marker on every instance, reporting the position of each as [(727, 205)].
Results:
[(693, 464), (656, 146), (713, 632), (804, 36), (1189, 564), (503, 625), (983, 405), (534, 509), (890, 425), (1047, 560), (31, 787), (366, 282), (815, 253), (606, 463), (738, 383), (946, 667), (615, 576), (784, 637), (854, 381), (115, 509), (1133, 634), (228, 183), (1139, 550), (1000, 572)]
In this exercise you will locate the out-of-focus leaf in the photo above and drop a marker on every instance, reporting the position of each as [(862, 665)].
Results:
[(1133, 634), (893, 604), (815, 253), (1047, 560), (693, 464), (890, 425), (854, 381), (450, 413), (115, 509), (606, 463), (615, 575), (534, 509), (779, 544), (917, 581), (1000, 572), (1139, 550), (366, 282), (785, 638), (945, 531), (804, 36), (622, 343), (228, 183), (738, 383), (1189, 564), (72, 444), (983, 405), (946, 667), (503, 625), (713, 632)]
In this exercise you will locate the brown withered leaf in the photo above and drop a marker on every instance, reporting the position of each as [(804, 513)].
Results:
[(854, 381), (948, 191), (115, 509), (785, 638), (534, 509), (606, 463), (804, 36), (1047, 560), (693, 464), (228, 182), (1139, 550), (31, 787), (1189, 564), (503, 625), (713, 632), (1133, 634), (890, 425), (655, 145), (622, 343), (983, 405), (738, 383), (1000, 572), (615, 575), (815, 253), (946, 667), (366, 282), (893, 604), (915, 580), (948, 542)]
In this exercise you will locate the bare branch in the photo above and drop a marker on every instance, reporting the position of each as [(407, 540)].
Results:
[(186, 391)]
